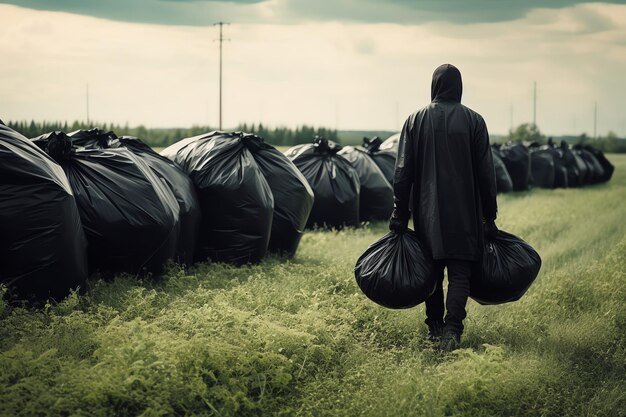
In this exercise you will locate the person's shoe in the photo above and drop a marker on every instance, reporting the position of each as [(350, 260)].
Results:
[(450, 341), (435, 331)]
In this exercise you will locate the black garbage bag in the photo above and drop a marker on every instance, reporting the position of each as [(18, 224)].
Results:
[(376, 193), (508, 268), (396, 271), (516, 158), (607, 166), (293, 196), (43, 251), (391, 143), (542, 168), (236, 200), (576, 168), (596, 171), (182, 188), (129, 215), (503, 179), (384, 158), (334, 181), (560, 167)]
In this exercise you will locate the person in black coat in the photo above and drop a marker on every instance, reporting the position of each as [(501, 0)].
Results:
[(445, 160)]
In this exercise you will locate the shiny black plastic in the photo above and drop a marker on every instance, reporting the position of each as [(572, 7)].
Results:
[(503, 179), (577, 170), (129, 215), (42, 244), (182, 188), (334, 181), (509, 266), (376, 193), (391, 143), (396, 271), (236, 200), (516, 158), (595, 169), (384, 158), (607, 167), (293, 198), (543, 169), (560, 167)]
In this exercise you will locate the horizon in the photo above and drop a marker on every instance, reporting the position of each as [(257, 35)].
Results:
[(289, 63)]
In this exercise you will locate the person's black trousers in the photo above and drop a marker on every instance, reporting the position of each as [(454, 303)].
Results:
[(459, 273)]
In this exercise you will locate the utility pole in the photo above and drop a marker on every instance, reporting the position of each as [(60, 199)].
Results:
[(511, 128), (535, 103), (221, 41), (595, 120), (87, 102)]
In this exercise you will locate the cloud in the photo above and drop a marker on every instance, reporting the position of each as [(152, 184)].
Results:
[(206, 12), (358, 75)]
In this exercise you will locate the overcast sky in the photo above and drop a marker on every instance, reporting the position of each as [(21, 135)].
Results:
[(346, 64)]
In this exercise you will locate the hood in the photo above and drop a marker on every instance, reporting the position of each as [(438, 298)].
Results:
[(447, 84)]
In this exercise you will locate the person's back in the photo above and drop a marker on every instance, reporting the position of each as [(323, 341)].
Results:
[(445, 159)]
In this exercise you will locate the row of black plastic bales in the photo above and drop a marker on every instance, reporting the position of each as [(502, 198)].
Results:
[(522, 166), (72, 204), (351, 184)]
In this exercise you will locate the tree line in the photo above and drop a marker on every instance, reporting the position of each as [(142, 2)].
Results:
[(161, 137), (529, 132)]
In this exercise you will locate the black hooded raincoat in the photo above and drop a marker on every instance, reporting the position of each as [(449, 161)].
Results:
[(444, 156)]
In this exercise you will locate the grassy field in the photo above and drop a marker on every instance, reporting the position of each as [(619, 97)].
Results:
[(298, 338)]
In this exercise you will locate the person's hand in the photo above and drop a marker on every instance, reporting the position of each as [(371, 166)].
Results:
[(397, 223), (491, 230)]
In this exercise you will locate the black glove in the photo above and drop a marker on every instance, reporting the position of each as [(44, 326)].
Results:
[(398, 224), (490, 228)]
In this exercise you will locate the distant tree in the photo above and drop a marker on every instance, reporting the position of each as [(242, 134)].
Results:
[(527, 132)]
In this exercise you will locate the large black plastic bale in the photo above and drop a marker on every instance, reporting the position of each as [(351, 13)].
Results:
[(396, 271), (516, 158), (607, 166), (236, 201), (542, 169), (391, 143), (376, 193), (181, 186), (129, 215), (293, 197), (384, 158), (596, 171), (42, 244), (576, 168), (334, 181), (560, 166), (509, 266), (503, 179)]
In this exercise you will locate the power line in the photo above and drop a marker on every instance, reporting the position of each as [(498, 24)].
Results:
[(221, 41)]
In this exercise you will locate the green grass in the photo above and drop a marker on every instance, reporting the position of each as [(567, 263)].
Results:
[(298, 338)]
